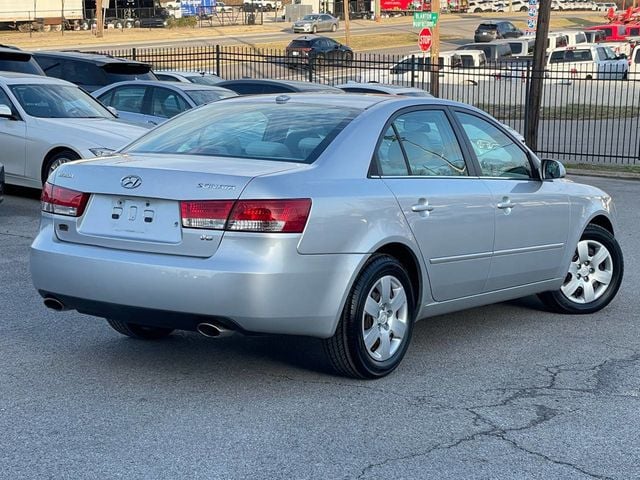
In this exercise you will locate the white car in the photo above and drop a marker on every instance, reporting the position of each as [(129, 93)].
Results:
[(45, 122), (588, 61)]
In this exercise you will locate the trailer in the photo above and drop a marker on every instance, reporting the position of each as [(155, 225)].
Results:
[(46, 15)]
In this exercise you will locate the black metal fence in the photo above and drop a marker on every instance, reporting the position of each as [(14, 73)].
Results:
[(588, 116)]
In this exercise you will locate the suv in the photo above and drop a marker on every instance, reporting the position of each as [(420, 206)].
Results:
[(92, 71), (316, 51), (15, 60), (488, 31)]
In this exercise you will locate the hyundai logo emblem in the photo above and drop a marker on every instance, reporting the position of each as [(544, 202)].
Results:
[(131, 181)]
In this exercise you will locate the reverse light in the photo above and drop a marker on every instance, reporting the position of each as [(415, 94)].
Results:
[(63, 201), (265, 216)]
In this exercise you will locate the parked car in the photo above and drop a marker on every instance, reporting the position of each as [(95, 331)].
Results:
[(595, 36), (556, 40), (490, 30), (495, 52), (613, 32), (221, 7), (480, 6), (1, 168), (317, 51), (634, 63), (153, 102), (258, 86), (314, 23), (234, 216), (201, 78), (574, 37), (381, 88), (92, 71), (159, 19), (45, 122), (588, 62), (522, 47), (15, 60)]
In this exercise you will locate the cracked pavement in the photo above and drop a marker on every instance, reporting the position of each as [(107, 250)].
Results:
[(500, 392)]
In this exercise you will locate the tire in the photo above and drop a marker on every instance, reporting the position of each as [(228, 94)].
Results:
[(334, 27), (128, 24), (477, 10), (576, 296), (314, 29), (118, 25), (319, 61), (139, 332), (372, 345), (50, 164)]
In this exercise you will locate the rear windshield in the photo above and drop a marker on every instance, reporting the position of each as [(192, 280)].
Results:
[(200, 97), (20, 63), (120, 72), (487, 26), (516, 47), (300, 44), (271, 131), (571, 56), (205, 79)]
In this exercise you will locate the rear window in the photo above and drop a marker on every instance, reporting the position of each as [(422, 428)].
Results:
[(19, 62), (266, 131), (120, 72), (516, 47), (300, 44), (487, 26), (571, 56)]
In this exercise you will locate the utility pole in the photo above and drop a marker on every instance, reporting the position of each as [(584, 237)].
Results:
[(534, 97), (99, 19), (376, 10), (347, 26), (435, 51)]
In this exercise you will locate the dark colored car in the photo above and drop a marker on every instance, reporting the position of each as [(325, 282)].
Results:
[(159, 20), (19, 61), (92, 71), (488, 31), (252, 86), (316, 51)]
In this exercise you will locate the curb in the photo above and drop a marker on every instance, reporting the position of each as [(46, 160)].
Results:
[(604, 174)]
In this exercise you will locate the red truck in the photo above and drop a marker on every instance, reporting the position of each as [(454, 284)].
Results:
[(614, 32)]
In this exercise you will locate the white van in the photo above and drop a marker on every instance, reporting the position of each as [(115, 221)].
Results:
[(587, 61)]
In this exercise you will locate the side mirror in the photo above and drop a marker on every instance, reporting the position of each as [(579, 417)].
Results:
[(5, 111), (114, 111), (552, 169)]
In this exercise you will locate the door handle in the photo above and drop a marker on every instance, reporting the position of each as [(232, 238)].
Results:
[(506, 204), (422, 206)]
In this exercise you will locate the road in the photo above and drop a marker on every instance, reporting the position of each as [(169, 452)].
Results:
[(502, 392)]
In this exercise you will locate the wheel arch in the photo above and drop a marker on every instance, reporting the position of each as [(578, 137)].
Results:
[(51, 153), (409, 261), (604, 222)]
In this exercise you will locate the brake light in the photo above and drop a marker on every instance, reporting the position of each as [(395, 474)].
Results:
[(208, 214), (266, 216), (283, 216), (63, 201)]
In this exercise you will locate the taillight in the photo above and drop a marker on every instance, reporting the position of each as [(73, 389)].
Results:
[(267, 216), (208, 214), (63, 201), (283, 216)]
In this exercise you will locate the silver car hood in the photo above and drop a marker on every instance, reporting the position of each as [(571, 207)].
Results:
[(103, 132)]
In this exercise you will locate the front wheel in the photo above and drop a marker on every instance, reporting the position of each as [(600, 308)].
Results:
[(594, 275), (139, 332), (376, 324), (315, 29), (55, 161), (334, 27)]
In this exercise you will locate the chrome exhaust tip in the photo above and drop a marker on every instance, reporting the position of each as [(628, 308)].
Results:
[(54, 304), (211, 330)]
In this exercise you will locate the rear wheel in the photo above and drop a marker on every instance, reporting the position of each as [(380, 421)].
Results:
[(334, 27), (320, 61), (139, 331), (348, 58), (376, 325), (315, 29), (53, 162), (594, 275)]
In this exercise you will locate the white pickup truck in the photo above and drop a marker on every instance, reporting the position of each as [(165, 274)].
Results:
[(634, 63), (262, 5), (588, 61)]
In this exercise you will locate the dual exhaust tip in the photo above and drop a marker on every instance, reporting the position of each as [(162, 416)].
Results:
[(210, 330)]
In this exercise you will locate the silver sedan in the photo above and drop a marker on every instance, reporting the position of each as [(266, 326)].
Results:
[(315, 23), (344, 217)]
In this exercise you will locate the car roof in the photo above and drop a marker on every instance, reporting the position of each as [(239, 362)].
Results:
[(185, 73), (96, 58), (170, 85), (14, 78), (300, 85), (312, 37), (382, 87)]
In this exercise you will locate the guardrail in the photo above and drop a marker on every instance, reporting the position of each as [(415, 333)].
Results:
[(588, 116)]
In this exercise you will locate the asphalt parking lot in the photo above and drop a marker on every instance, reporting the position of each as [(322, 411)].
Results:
[(502, 392)]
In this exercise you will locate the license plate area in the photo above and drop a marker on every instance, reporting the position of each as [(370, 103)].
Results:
[(132, 218)]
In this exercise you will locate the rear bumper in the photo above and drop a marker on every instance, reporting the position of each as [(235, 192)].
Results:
[(256, 283)]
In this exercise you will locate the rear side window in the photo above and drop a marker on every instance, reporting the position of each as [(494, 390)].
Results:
[(126, 99), (167, 78)]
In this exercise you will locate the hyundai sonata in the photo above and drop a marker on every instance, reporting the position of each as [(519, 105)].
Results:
[(344, 217)]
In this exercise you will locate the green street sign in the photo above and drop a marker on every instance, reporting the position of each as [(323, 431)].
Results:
[(425, 19)]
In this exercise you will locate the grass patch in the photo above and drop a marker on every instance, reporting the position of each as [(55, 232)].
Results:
[(572, 111), (604, 168)]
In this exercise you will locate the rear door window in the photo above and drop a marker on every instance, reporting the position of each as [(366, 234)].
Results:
[(129, 98), (166, 103)]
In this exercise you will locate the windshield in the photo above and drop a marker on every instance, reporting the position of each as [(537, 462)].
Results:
[(200, 97), (58, 101), (283, 132), (309, 18)]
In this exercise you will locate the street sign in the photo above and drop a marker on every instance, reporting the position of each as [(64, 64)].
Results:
[(425, 19), (424, 39)]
